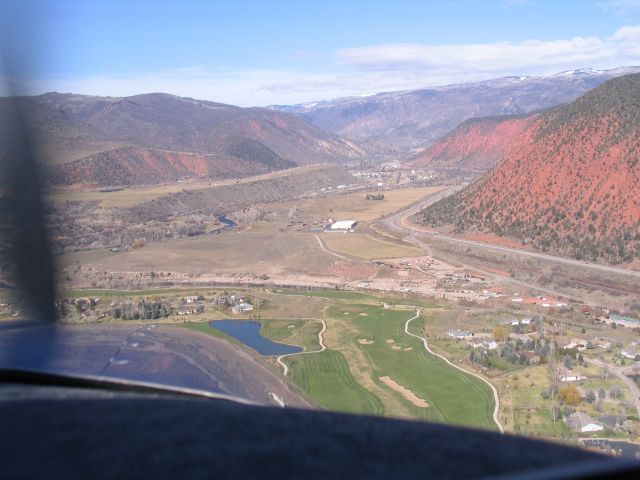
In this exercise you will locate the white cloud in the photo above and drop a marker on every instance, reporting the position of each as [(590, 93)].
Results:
[(531, 56), (620, 7), (357, 71)]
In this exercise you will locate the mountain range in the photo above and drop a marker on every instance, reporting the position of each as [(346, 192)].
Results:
[(412, 120), (157, 137), (569, 183)]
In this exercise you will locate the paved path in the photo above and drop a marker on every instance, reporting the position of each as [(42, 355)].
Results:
[(426, 346), (320, 341), (617, 371)]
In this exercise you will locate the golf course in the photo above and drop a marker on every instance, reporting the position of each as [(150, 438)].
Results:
[(371, 366)]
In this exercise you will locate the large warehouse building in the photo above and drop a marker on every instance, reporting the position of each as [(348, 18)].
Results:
[(343, 225)]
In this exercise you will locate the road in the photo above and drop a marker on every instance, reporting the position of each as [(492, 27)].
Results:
[(617, 371), (398, 223), (320, 341), (426, 346)]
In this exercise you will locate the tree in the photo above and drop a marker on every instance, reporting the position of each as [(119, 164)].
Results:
[(602, 394), (567, 362), (500, 334), (570, 395), (590, 397), (555, 412), (615, 392)]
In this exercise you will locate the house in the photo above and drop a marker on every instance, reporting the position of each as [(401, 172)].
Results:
[(628, 354), (460, 334), (612, 421), (343, 226), (485, 343), (242, 307), (600, 343), (566, 375), (581, 422), (530, 358)]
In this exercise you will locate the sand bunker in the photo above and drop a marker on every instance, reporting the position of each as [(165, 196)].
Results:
[(390, 340), (396, 347), (291, 326), (405, 392), (364, 341), (407, 349), (346, 313), (362, 314)]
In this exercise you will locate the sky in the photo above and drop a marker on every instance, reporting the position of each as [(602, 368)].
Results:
[(257, 53)]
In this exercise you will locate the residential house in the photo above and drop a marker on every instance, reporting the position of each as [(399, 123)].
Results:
[(484, 343), (612, 421), (581, 422), (242, 307), (530, 358), (460, 334), (566, 375), (601, 343)]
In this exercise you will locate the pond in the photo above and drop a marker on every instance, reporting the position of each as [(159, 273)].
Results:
[(248, 332), (625, 449)]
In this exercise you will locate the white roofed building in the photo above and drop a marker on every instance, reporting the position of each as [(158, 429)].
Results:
[(343, 225)]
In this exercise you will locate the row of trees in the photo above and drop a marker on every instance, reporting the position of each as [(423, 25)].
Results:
[(143, 310)]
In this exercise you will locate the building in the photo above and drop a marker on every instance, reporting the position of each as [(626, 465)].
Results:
[(343, 225), (612, 421), (460, 334), (484, 343), (242, 307), (566, 375), (529, 357), (581, 422)]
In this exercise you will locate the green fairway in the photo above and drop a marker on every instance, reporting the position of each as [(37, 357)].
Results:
[(325, 376), (453, 396)]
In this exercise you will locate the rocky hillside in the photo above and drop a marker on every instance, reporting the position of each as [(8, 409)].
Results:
[(413, 120), (570, 183), (474, 146), (226, 140)]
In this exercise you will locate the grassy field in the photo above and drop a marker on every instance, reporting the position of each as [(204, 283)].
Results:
[(325, 376), (364, 246)]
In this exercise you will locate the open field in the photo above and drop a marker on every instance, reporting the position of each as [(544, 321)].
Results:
[(364, 246), (262, 250), (356, 206)]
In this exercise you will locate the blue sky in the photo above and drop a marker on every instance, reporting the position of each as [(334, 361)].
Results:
[(267, 52)]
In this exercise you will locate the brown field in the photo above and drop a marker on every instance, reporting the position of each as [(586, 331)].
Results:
[(364, 246), (356, 206), (259, 251)]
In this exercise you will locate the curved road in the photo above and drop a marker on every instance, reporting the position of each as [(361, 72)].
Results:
[(320, 341), (617, 371), (426, 346), (397, 222)]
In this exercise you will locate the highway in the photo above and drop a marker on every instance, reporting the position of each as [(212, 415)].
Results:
[(399, 223)]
